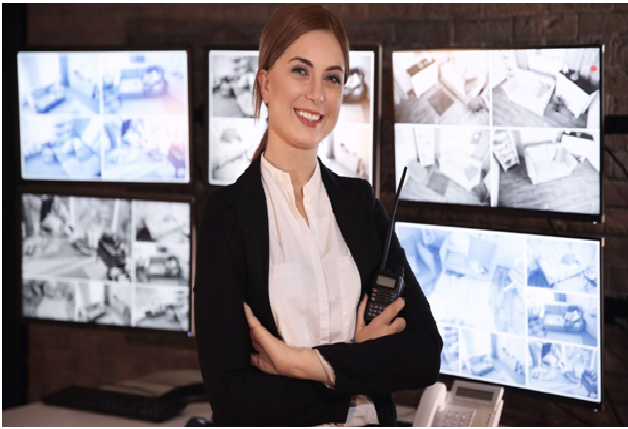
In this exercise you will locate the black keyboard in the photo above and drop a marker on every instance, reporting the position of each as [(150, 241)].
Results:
[(120, 404)]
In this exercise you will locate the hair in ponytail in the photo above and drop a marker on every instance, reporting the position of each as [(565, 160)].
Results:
[(285, 26)]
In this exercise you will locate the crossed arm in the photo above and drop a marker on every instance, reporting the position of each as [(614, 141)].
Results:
[(240, 393)]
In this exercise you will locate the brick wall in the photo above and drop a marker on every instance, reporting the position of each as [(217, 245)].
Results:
[(56, 352)]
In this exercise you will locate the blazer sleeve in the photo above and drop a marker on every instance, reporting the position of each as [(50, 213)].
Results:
[(239, 393), (407, 360)]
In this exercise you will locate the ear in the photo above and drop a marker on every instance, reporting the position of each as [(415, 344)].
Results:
[(264, 83)]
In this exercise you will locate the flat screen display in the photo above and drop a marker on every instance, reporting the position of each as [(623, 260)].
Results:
[(234, 135), (515, 128), (104, 116), (106, 261), (513, 309)]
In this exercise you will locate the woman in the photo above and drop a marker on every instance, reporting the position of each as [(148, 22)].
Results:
[(299, 245)]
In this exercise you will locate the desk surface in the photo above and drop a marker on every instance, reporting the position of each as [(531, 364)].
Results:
[(39, 414)]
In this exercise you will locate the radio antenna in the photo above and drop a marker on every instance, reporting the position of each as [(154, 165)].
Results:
[(389, 233)]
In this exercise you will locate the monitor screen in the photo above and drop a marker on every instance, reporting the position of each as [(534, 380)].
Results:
[(106, 261), (234, 135), (516, 129), (104, 116), (514, 309)]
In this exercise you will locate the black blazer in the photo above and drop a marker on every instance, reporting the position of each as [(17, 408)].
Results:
[(232, 267)]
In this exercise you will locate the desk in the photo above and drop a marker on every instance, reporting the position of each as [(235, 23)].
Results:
[(39, 414)]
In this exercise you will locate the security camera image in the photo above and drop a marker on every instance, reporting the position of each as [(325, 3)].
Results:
[(357, 93), (61, 147), (85, 259), (233, 142), (143, 135), (516, 128), (548, 169), (450, 356), (471, 278), (46, 299), (145, 82), (162, 264), (500, 358), (105, 304), (546, 88), (441, 87), (512, 308), (569, 318), (232, 78), (563, 266), (80, 238), (146, 149), (347, 151), (161, 308), (445, 165), (59, 83), (564, 369), (162, 222)]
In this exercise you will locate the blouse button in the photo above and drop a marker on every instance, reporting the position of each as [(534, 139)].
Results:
[(315, 240)]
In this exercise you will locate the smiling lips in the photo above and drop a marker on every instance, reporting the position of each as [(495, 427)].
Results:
[(308, 117)]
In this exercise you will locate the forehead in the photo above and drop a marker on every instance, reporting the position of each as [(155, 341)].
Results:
[(320, 47)]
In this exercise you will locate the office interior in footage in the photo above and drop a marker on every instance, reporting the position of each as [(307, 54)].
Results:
[(512, 217)]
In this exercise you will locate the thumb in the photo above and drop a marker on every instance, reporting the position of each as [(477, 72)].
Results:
[(360, 324)]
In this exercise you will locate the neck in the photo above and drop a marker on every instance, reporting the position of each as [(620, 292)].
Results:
[(299, 163)]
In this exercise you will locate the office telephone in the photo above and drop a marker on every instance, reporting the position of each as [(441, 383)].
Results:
[(387, 285), (468, 404)]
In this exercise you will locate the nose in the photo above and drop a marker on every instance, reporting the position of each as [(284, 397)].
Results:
[(315, 92)]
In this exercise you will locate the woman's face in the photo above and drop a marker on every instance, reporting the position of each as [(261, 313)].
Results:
[(303, 90)]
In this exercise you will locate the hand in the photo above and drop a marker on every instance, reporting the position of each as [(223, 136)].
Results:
[(385, 324), (274, 356)]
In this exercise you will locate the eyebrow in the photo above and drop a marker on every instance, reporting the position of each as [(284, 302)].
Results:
[(309, 64)]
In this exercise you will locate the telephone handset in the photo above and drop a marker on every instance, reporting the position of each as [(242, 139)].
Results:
[(468, 404), (387, 285)]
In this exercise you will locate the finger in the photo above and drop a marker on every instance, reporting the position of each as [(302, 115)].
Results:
[(397, 325), (255, 360), (361, 309), (250, 317), (391, 311)]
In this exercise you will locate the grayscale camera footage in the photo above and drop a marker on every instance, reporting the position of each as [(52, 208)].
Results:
[(83, 258), (234, 135), (104, 116), (514, 309), (517, 129)]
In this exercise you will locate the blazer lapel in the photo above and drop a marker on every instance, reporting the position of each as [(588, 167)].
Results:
[(352, 215), (249, 199)]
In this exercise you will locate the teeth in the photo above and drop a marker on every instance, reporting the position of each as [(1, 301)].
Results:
[(308, 116)]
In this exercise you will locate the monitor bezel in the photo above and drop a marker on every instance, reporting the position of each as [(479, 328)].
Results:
[(511, 211), (524, 390), (157, 197), (376, 119), (100, 183)]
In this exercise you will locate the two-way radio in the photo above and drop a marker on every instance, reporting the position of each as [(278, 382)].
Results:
[(387, 286)]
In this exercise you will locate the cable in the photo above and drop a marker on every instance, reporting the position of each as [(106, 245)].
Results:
[(617, 161), (610, 401), (572, 414)]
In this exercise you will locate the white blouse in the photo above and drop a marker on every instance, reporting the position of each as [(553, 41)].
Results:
[(314, 283)]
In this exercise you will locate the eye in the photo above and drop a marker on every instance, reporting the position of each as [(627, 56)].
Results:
[(299, 70), (334, 78)]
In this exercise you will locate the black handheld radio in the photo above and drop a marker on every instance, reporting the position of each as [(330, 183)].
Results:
[(387, 286)]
